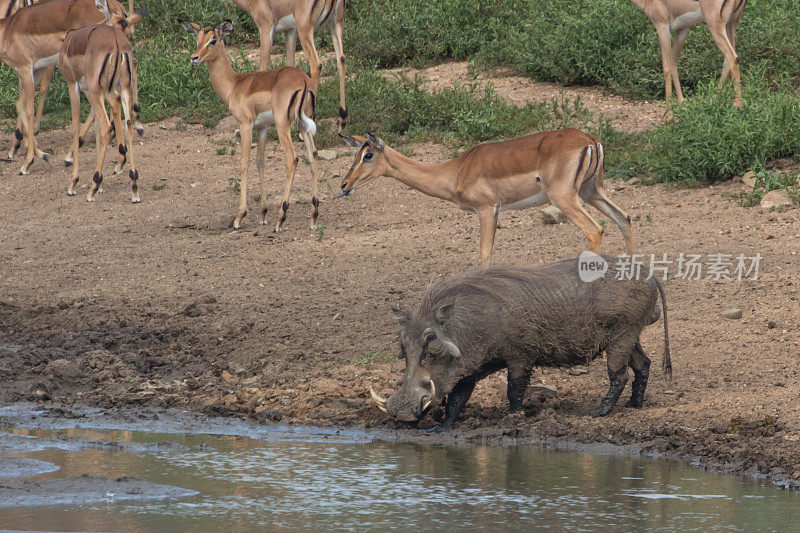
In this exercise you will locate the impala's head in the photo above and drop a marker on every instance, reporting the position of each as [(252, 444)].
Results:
[(431, 357), (117, 15), (368, 164), (210, 41)]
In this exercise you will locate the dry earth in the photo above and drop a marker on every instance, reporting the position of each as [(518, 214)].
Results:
[(161, 305)]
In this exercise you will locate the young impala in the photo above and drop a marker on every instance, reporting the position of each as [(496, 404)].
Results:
[(558, 167), (256, 100), (98, 60), (721, 17), (29, 43), (301, 17)]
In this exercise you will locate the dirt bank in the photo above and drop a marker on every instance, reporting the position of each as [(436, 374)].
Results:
[(161, 305)]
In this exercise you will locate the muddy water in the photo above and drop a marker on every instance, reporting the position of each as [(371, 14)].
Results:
[(288, 479)]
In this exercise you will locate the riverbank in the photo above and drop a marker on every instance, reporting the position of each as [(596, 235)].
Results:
[(161, 305)]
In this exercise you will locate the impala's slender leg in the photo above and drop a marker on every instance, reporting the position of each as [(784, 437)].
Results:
[(719, 33), (44, 85), (103, 136), (679, 39), (25, 109), (665, 42), (306, 34), (336, 38), (593, 193), (72, 156), (596, 197), (285, 137), (726, 67), (266, 30), (575, 212), (308, 140), (261, 164), (246, 137), (291, 47), (116, 115), (85, 128), (488, 221), (132, 173)]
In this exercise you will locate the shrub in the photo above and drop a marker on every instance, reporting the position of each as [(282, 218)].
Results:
[(711, 140)]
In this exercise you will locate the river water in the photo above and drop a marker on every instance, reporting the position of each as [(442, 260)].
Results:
[(290, 479)]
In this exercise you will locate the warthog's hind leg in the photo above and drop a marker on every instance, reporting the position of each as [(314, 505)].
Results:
[(618, 357), (640, 364)]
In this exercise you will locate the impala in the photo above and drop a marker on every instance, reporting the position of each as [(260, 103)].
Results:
[(721, 17), (301, 17), (256, 100), (8, 8), (99, 60), (29, 43), (558, 167)]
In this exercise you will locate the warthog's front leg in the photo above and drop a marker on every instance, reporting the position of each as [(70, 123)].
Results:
[(456, 401)]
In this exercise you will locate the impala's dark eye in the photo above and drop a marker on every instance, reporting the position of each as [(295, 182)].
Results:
[(367, 156), (212, 42)]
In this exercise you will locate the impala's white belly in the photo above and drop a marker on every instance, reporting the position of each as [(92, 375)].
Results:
[(82, 84), (687, 20), (286, 23), (263, 120), (532, 201)]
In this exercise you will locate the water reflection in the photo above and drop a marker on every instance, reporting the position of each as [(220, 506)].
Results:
[(251, 484)]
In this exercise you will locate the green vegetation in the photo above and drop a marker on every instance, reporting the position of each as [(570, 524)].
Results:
[(766, 181), (570, 41), (607, 42), (711, 140)]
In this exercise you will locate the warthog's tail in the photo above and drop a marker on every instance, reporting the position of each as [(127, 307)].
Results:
[(666, 361)]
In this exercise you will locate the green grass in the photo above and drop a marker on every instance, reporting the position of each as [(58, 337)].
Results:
[(711, 140), (607, 42), (766, 181), (403, 108)]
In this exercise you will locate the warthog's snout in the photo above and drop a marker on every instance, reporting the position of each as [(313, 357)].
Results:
[(410, 403)]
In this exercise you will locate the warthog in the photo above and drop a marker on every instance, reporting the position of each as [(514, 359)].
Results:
[(518, 318)]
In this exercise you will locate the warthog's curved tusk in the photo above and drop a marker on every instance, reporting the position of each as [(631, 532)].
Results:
[(380, 401), (433, 395)]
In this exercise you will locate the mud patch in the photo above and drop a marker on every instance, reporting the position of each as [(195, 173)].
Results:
[(84, 489), (23, 467)]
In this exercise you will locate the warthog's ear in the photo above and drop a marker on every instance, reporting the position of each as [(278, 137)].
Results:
[(444, 313), (350, 141), (376, 142), (401, 316)]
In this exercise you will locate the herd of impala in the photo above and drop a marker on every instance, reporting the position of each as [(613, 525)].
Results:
[(89, 41)]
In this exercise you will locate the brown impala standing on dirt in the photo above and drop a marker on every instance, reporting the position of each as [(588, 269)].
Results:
[(29, 43), (300, 17), (99, 60), (721, 17), (8, 8), (553, 166), (256, 100)]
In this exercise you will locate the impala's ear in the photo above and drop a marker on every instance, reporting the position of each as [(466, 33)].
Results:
[(350, 141), (102, 5), (191, 27), (226, 29), (401, 316), (444, 313), (376, 142)]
